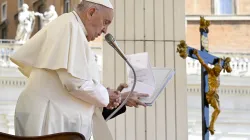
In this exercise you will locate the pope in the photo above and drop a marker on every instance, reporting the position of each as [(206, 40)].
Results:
[(63, 91)]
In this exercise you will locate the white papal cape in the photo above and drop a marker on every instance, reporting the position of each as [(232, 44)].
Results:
[(63, 92)]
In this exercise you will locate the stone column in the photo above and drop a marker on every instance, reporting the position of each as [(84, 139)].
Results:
[(3, 124), (7, 110), (156, 27), (10, 124)]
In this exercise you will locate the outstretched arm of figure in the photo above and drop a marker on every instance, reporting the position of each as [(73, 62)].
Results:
[(201, 61)]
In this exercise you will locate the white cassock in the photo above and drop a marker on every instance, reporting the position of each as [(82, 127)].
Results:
[(63, 92)]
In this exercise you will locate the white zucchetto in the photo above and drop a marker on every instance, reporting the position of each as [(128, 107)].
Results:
[(106, 3)]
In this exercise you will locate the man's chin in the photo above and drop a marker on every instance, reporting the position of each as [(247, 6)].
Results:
[(93, 38), (89, 38)]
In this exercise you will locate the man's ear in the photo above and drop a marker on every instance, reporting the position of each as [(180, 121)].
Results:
[(91, 12)]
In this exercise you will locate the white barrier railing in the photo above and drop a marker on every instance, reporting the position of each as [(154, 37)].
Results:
[(240, 64), (9, 41), (223, 90), (5, 53), (7, 47), (240, 67)]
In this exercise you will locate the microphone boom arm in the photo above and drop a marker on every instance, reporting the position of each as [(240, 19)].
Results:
[(109, 38), (126, 99)]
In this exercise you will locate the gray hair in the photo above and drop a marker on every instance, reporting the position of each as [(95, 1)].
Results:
[(84, 5)]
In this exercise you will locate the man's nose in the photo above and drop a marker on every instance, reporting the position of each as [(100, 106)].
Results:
[(104, 30)]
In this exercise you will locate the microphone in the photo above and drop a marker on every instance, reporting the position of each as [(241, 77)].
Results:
[(112, 42)]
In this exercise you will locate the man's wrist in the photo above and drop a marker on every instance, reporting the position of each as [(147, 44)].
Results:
[(123, 96)]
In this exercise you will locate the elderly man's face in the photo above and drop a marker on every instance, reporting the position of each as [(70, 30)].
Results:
[(98, 21)]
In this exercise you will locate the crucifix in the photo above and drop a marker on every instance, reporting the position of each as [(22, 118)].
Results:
[(209, 77)]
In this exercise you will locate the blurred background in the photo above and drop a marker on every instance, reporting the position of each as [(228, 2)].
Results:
[(229, 36)]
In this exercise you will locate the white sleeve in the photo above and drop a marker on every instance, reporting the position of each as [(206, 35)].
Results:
[(88, 91)]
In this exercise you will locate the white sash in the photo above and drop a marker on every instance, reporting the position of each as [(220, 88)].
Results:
[(100, 127)]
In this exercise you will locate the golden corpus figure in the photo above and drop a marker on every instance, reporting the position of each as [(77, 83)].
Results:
[(213, 85)]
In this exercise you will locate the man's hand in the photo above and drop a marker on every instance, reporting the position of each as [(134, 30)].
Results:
[(121, 87), (134, 99), (114, 98)]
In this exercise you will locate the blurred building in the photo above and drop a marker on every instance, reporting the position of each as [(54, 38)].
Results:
[(228, 36), (136, 29), (10, 8), (230, 24)]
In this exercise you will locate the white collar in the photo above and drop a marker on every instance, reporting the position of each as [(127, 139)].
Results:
[(80, 22)]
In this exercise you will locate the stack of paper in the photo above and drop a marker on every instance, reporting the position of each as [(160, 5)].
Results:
[(162, 76), (149, 80)]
